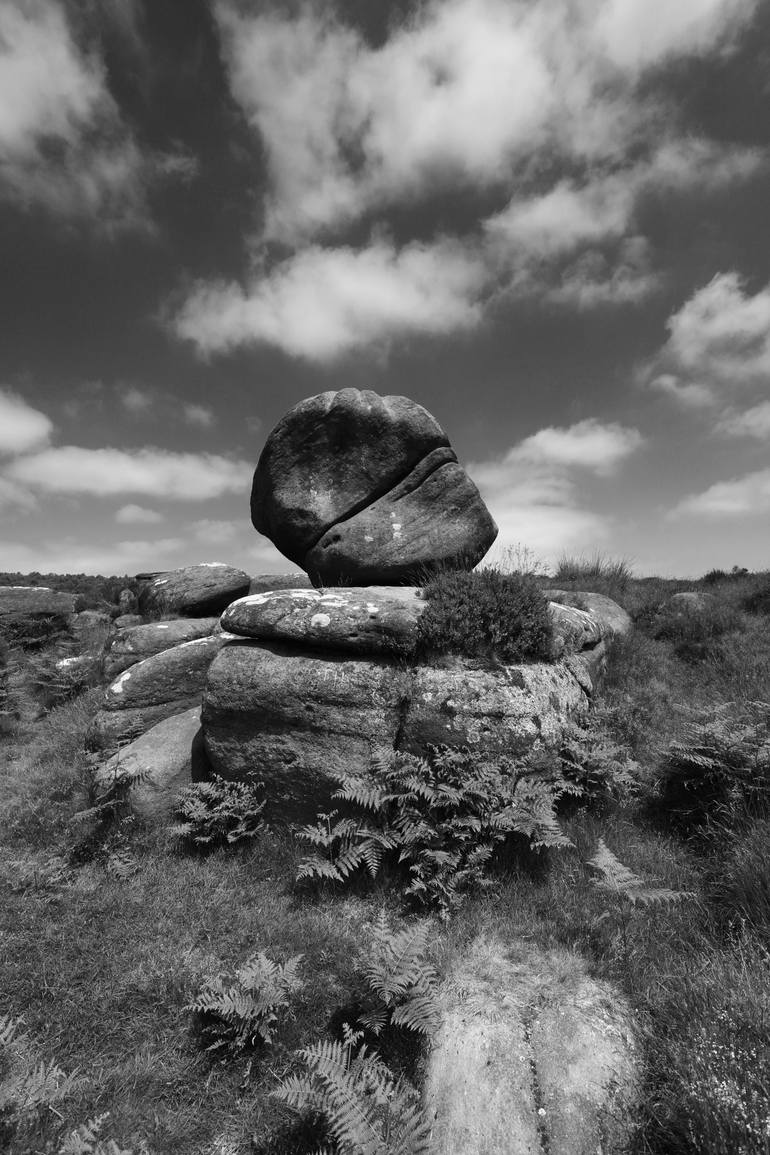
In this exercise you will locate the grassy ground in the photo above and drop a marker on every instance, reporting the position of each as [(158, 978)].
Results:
[(101, 958)]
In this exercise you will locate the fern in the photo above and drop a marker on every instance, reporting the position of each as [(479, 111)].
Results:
[(219, 812), (401, 980), (367, 1110), (84, 1140), (27, 1084), (244, 1013), (620, 881), (440, 817)]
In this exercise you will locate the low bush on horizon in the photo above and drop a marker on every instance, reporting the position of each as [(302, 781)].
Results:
[(485, 614), (597, 574)]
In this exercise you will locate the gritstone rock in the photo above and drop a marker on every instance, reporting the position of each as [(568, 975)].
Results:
[(362, 489), (142, 641), (196, 591)]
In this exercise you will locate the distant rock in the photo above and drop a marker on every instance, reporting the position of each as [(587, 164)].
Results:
[(369, 620), (690, 602), (611, 617), (196, 591), (142, 641), (361, 489), (160, 761), (128, 602)]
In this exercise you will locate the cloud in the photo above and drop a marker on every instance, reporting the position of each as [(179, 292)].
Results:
[(67, 555), (740, 496), (13, 496), (199, 415), (532, 490), (212, 532), (690, 395), (753, 422), (498, 97), (135, 400), (323, 303), (137, 515), (21, 427), (148, 472), (64, 146)]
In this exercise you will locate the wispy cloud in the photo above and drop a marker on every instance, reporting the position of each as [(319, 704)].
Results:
[(137, 515), (739, 497), (200, 416), (149, 472)]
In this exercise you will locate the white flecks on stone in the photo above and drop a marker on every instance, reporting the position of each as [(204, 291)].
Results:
[(228, 637), (117, 686), (318, 620), (197, 641), (64, 662), (213, 564), (160, 582), (368, 537), (372, 609), (162, 625)]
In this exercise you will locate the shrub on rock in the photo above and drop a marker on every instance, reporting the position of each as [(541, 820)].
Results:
[(486, 614)]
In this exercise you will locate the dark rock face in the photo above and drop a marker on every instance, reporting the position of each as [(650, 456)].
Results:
[(362, 489), (196, 591), (142, 641)]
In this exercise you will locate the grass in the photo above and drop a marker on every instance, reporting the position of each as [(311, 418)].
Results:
[(101, 963)]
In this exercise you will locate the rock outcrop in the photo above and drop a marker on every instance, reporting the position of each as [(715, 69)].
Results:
[(362, 489), (167, 683), (160, 762), (133, 645), (195, 591), (610, 617), (320, 679)]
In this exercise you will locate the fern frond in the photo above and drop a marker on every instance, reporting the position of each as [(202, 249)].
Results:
[(620, 880)]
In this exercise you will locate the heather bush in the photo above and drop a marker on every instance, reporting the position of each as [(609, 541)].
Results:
[(758, 601), (695, 630), (485, 614)]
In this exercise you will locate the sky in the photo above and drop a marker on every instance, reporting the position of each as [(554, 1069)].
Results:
[(546, 221)]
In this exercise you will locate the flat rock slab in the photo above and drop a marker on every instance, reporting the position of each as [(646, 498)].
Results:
[(611, 617), (532, 1057), (369, 620), (159, 763), (295, 720), (143, 641), (112, 730), (195, 591)]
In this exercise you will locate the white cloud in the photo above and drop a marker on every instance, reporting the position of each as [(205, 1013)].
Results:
[(63, 144), (532, 491), (137, 515), (753, 422), (135, 400), (740, 496), (199, 415), (147, 472), (67, 555), (690, 395), (322, 303), (13, 496), (500, 96), (21, 427)]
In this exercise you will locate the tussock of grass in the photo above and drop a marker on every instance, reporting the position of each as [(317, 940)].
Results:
[(597, 574)]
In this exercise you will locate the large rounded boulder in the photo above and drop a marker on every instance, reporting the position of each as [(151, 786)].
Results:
[(195, 591), (362, 489)]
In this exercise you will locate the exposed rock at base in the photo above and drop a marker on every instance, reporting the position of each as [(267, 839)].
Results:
[(264, 582), (361, 489), (295, 719), (531, 1055), (369, 620), (160, 761), (111, 730), (32, 614), (492, 711), (143, 641), (611, 617), (196, 591)]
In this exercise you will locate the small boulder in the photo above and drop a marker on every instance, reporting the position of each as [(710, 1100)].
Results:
[(160, 761), (196, 591), (365, 490), (611, 617), (690, 602), (372, 620), (142, 641), (126, 621), (127, 602)]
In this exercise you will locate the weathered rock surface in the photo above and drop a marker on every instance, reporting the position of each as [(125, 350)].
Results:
[(531, 1055), (160, 761), (362, 489), (501, 711), (142, 641), (295, 719), (689, 602), (127, 602), (125, 621), (573, 629), (196, 591), (156, 688), (369, 620), (611, 617), (264, 582)]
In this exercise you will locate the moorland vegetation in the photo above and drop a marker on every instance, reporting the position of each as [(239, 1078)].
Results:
[(224, 986)]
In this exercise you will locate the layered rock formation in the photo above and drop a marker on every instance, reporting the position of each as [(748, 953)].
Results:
[(362, 489), (195, 591)]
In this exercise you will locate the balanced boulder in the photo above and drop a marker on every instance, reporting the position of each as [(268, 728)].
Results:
[(362, 489), (196, 591)]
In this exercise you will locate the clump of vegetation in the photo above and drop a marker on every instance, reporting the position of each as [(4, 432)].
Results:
[(219, 812), (485, 614), (401, 980), (440, 817), (28, 1084), (758, 601), (597, 574), (364, 1106), (244, 1013), (87, 1139), (695, 630)]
